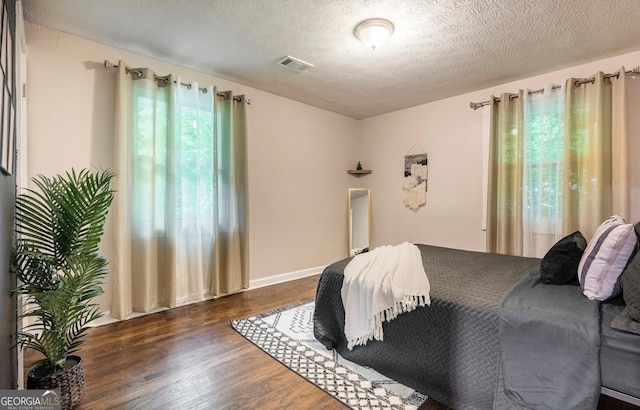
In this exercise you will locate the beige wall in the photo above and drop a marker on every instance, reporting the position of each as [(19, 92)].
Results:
[(451, 134), (298, 154)]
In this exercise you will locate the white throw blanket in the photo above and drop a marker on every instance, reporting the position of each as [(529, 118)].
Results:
[(378, 286)]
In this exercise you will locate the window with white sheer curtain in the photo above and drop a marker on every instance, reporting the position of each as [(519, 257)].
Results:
[(543, 167), (542, 163), (557, 163), (180, 203)]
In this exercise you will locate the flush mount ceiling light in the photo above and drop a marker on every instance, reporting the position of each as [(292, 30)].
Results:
[(373, 32)]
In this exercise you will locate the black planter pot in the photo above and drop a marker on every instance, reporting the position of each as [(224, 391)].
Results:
[(70, 381)]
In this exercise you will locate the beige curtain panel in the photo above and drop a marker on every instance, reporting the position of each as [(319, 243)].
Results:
[(596, 155), (504, 211), (180, 204)]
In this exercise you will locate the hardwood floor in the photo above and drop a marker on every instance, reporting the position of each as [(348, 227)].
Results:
[(191, 358)]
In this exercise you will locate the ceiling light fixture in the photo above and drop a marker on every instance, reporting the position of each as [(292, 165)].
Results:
[(373, 32)]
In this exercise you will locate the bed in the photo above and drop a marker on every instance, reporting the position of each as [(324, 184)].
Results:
[(457, 350)]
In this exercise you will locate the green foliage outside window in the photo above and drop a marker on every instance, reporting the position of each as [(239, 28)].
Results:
[(544, 161), (185, 155)]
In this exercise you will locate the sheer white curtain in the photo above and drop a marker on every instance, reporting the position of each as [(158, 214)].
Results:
[(182, 174), (194, 188), (543, 167)]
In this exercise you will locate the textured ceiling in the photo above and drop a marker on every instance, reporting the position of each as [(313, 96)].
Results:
[(440, 48)]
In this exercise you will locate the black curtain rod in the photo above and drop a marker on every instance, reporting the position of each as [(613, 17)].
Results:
[(108, 64), (577, 83)]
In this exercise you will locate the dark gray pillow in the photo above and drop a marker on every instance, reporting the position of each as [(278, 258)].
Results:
[(629, 319), (560, 265)]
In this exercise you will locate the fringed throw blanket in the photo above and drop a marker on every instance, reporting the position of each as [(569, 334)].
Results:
[(378, 286)]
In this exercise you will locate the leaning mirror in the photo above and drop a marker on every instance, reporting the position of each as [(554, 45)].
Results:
[(359, 206)]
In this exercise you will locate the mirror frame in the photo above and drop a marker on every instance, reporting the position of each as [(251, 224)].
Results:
[(349, 219)]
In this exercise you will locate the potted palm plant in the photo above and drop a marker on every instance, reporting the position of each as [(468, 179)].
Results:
[(55, 258)]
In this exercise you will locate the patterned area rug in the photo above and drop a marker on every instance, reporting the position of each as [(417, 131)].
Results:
[(287, 335)]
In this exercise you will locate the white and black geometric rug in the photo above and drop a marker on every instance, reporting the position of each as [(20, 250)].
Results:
[(287, 335)]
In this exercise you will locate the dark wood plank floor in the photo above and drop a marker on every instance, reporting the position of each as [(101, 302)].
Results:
[(191, 358)]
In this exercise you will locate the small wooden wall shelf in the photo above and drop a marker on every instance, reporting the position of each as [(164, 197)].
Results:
[(358, 172)]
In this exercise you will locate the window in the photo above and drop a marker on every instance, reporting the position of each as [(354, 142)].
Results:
[(538, 153), (182, 159)]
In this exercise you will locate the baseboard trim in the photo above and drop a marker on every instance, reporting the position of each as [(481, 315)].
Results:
[(253, 284), (107, 319), (284, 277)]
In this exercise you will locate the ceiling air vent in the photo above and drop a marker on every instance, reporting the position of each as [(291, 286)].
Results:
[(295, 64)]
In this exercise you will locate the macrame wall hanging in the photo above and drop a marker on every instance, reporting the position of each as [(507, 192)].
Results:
[(414, 188)]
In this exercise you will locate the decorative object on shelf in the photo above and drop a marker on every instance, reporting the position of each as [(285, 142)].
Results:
[(55, 258), (414, 188), (359, 172)]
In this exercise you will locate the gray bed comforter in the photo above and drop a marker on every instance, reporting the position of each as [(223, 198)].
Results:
[(549, 348), (450, 350)]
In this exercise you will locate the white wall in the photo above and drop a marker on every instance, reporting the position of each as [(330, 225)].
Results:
[(451, 134), (298, 154)]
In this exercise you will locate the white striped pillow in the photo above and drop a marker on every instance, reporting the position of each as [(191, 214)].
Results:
[(605, 258)]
